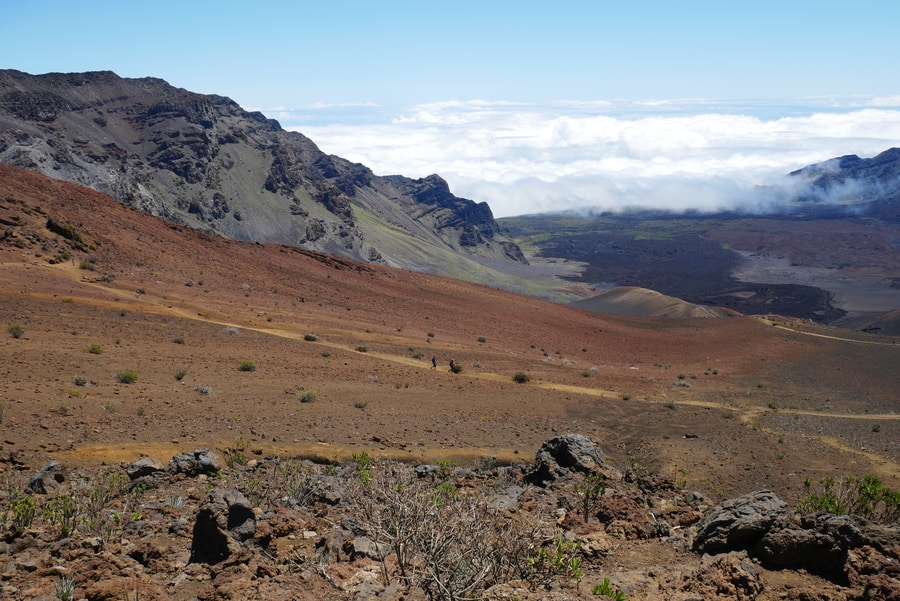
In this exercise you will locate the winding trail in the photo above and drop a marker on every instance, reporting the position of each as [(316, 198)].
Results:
[(181, 308)]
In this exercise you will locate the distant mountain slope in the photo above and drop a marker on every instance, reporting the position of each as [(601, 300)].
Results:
[(204, 161), (866, 186)]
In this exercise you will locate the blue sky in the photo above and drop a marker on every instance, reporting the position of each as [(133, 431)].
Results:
[(528, 105)]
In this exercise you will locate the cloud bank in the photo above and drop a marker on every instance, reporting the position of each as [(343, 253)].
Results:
[(606, 156)]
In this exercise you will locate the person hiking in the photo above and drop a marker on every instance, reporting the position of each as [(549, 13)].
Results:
[(451, 364), (434, 362)]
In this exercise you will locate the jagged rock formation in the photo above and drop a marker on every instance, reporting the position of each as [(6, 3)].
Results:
[(204, 161)]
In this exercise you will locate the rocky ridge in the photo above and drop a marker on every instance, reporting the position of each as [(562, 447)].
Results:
[(204, 161)]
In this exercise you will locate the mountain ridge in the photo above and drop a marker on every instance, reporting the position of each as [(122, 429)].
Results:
[(204, 161)]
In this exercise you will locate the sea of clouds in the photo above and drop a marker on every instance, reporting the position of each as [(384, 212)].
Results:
[(604, 156)]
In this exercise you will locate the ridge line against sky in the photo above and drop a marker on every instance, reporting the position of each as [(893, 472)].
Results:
[(585, 102)]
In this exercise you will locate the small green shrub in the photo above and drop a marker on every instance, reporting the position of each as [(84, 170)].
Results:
[(95, 349), (308, 397), (362, 348), (360, 404), (247, 365), (589, 492), (23, 511), (80, 381), (310, 337), (557, 559), (180, 373), (456, 367), (178, 340), (362, 460), (867, 497), (126, 377), (481, 339), (606, 589), (520, 377), (63, 513), (15, 330)]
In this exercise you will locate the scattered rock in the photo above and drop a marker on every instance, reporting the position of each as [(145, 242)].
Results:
[(568, 453), (145, 466), (198, 461), (224, 521), (814, 543), (48, 478), (739, 523), (728, 576)]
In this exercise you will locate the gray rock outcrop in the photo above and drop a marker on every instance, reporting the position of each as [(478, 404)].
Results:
[(194, 463), (223, 523), (48, 478), (739, 523), (569, 453)]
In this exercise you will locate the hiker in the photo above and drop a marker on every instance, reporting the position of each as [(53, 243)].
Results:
[(451, 364), (434, 362)]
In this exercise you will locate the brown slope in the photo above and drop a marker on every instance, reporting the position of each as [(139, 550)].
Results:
[(159, 298), (641, 302)]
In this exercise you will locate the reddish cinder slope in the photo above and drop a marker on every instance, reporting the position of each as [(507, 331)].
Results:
[(765, 406)]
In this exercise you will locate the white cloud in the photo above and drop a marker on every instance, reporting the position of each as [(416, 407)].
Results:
[(605, 155)]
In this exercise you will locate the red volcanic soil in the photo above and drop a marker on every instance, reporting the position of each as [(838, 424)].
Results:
[(728, 404)]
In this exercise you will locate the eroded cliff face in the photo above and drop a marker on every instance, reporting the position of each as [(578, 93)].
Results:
[(204, 161)]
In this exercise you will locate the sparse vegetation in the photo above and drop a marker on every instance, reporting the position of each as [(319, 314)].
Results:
[(866, 497), (180, 373), (80, 381), (126, 377), (247, 365), (307, 397), (95, 349), (521, 377), (236, 454), (61, 512), (606, 589), (23, 510), (64, 589), (481, 339), (360, 404), (310, 337), (15, 330), (362, 348), (589, 492)]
